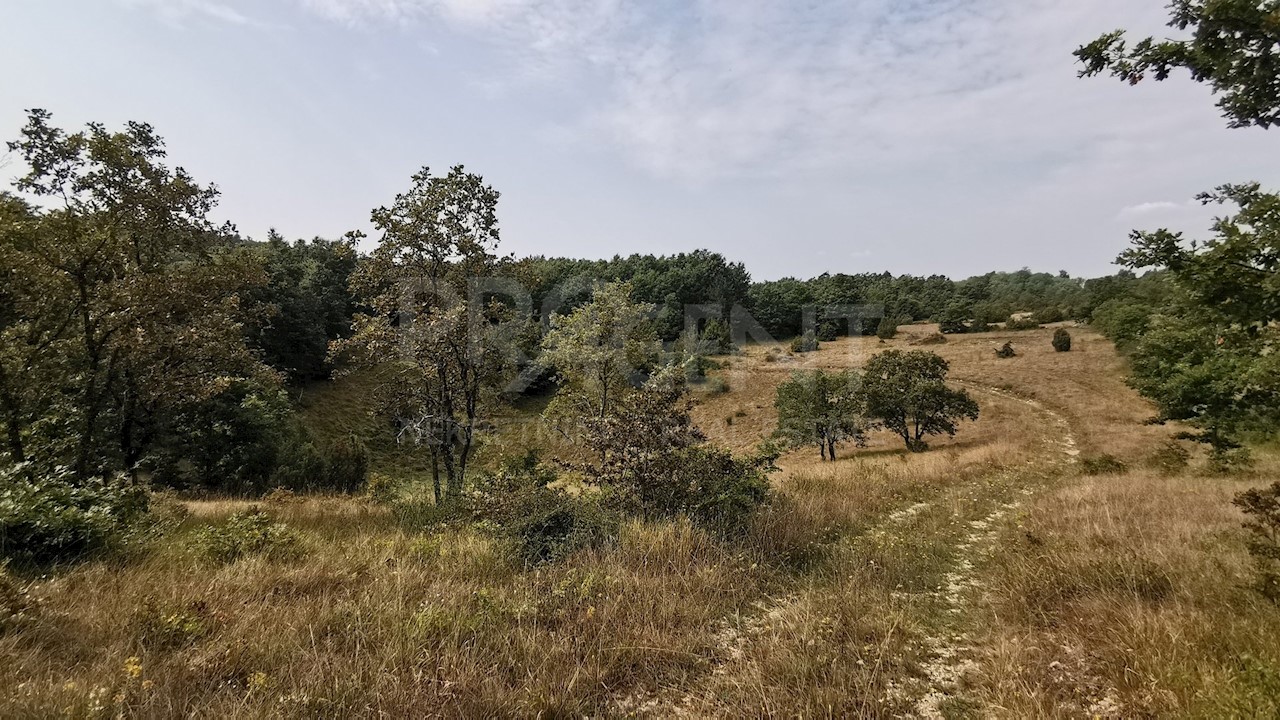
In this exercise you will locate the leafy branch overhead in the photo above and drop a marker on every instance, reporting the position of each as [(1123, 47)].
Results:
[(1233, 46)]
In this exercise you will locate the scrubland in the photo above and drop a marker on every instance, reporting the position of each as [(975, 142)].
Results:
[(990, 576)]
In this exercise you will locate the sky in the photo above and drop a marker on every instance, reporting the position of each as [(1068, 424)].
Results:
[(796, 136)]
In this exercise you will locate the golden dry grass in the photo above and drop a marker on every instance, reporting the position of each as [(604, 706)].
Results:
[(986, 577)]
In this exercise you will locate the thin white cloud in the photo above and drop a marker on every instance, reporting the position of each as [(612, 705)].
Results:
[(1148, 208), (177, 11), (716, 88)]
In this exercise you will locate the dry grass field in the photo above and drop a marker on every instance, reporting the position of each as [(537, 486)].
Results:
[(988, 577)]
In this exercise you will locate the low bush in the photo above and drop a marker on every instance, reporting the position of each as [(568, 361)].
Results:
[(166, 626), (1044, 316), (807, 342), (252, 532), (888, 327), (15, 605), (1062, 340), (828, 331), (545, 523), (1103, 464), (381, 488), (1226, 460), (1006, 351), (934, 339), (717, 386), (1262, 512), (48, 519), (1016, 323), (1170, 458)]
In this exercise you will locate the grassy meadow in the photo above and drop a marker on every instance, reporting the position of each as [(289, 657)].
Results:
[(992, 576)]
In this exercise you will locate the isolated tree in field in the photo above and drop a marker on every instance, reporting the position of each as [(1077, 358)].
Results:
[(826, 408), (601, 352), (445, 345), (907, 393), (1234, 46), (1061, 340), (122, 301)]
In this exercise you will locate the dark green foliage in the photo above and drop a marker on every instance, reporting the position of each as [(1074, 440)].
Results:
[(1061, 340), (545, 523), (1123, 320), (954, 319), (716, 339), (1171, 458), (823, 408), (346, 465), (1103, 464), (16, 606), (1006, 351), (53, 518), (307, 305), (1262, 512), (805, 343), (668, 282), (827, 331), (252, 532), (888, 327), (1232, 48), (1045, 316), (906, 392)]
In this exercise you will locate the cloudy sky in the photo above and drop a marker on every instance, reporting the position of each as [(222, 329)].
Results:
[(918, 136)]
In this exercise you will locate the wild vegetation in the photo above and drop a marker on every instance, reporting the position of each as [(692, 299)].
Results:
[(268, 479)]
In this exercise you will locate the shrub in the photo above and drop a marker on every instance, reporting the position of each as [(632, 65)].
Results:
[(715, 489), (1171, 457), (807, 342), (1016, 323), (51, 519), (1103, 464), (1225, 459), (281, 496), (381, 488), (1262, 512), (717, 386), (545, 523), (979, 326), (1006, 351), (166, 626), (247, 533), (717, 338), (1062, 340), (15, 605), (934, 339), (346, 465), (828, 331), (888, 327), (1048, 315), (771, 356)]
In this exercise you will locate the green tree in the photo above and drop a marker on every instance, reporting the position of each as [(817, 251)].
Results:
[(123, 300), (826, 408), (446, 346), (600, 352), (1233, 47), (308, 304), (907, 393), (1208, 355)]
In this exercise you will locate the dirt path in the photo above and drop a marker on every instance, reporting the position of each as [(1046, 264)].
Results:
[(952, 655), (960, 523)]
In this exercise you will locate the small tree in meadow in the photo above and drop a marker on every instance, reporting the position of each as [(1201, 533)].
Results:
[(1062, 340), (907, 393), (823, 408)]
